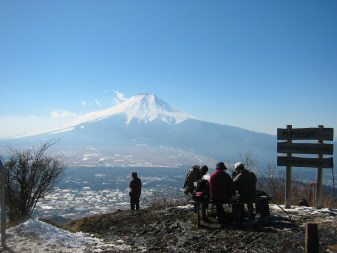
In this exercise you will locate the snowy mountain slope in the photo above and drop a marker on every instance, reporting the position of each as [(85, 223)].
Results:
[(141, 107), (146, 107), (147, 120)]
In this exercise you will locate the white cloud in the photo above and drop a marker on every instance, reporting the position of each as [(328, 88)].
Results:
[(120, 97), (62, 114), (83, 103), (98, 103)]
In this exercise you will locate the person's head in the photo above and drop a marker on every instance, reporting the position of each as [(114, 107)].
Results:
[(134, 174), (221, 166), (204, 170), (239, 166), (196, 167)]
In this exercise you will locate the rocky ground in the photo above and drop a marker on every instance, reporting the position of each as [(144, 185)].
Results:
[(174, 229)]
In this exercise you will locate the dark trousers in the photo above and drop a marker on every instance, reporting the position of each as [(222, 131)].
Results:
[(204, 207), (238, 210), (250, 209), (220, 213), (134, 201)]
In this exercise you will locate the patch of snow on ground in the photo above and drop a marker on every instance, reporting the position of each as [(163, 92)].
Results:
[(37, 236), (306, 210), (188, 206)]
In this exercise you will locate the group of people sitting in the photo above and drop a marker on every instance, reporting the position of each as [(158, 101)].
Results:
[(221, 187)]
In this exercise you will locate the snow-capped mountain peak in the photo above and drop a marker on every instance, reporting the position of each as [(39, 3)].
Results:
[(142, 107), (147, 107), (145, 126)]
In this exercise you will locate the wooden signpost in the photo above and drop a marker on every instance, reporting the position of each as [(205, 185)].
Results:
[(305, 162), (319, 133), (287, 146)]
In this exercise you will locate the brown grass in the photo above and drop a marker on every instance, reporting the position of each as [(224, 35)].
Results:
[(159, 199), (274, 186)]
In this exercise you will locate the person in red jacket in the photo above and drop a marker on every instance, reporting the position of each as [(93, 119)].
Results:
[(222, 189), (136, 188)]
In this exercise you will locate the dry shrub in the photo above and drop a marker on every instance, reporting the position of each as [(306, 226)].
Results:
[(160, 199), (329, 199), (29, 175), (274, 186)]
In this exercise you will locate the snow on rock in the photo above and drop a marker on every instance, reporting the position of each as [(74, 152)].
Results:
[(37, 236), (326, 211), (305, 210), (319, 216)]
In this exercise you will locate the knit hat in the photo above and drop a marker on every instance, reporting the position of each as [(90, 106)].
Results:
[(204, 169), (221, 166), (239, 166)]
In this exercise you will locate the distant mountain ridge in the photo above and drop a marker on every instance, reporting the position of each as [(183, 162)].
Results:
[(145, 120)]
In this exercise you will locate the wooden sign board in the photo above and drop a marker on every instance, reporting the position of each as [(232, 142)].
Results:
[(305, 148), (305, 162), (305, 134)]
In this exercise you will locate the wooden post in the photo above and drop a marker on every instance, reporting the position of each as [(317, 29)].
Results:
[(318, 203), (3, 207), (311, 238), (288, 177), (290, 134)]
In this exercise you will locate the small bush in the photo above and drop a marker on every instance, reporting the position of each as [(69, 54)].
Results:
[(160, 199), (29, 175), (274, 186)]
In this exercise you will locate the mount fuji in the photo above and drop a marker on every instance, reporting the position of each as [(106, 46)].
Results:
[(146, 131)]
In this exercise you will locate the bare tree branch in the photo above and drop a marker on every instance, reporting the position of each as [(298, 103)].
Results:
[(29, 176)]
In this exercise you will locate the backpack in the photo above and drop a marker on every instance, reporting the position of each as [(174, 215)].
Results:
[(202, 191), (200, 196)]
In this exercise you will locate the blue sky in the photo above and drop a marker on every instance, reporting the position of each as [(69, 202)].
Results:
[(259, 65)]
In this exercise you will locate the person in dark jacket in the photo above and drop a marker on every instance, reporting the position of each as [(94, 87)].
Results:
[(136, 188), (193, 176), (222, 189), (203, 190), (245, 184)]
